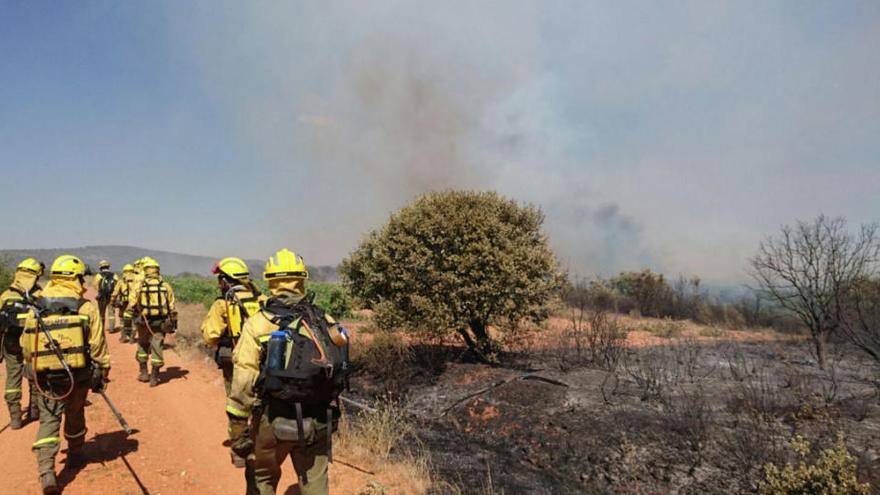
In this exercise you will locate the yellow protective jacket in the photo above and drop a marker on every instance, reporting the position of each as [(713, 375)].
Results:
[(216, 325), (23, 282), (62, 288), (247, 357), (134, 298), (119, 298), (96, 281)]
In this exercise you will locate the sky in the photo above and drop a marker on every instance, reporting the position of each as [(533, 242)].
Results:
[(667, 135)]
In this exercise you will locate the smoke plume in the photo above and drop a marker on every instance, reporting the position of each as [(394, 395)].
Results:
[(363, 112)]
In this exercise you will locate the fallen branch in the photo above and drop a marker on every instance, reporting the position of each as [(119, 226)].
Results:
[(528, 376), (359, 405), (352, 466)]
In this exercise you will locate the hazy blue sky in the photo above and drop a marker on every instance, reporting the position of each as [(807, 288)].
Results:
[(665, 134)]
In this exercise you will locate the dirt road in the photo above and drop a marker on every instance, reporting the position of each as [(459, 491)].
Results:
[(177, 446)]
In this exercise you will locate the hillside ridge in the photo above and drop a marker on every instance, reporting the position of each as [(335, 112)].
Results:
[(172, 263)]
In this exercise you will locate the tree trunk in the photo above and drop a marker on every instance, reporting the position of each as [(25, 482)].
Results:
[(467, 339), (820, 339), (477, 341), (478, 327)]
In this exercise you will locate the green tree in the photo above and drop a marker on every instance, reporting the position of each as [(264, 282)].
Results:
[(456, 261), (7, 270), (650, 291)]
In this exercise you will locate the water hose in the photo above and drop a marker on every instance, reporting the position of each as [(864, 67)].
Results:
[(54, 347)]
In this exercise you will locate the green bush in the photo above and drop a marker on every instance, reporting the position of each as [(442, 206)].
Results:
[(713, 332), (194, 290), (6, 272), (453, 263), (667, 328), (832, 473), (331, 297), (650, 291)]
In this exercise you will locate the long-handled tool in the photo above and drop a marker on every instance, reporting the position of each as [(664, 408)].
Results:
[(122, 421)]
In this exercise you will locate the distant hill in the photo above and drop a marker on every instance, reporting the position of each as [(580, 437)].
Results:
[(172, 263)]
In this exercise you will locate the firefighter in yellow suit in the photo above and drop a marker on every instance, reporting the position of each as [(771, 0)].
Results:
[(119, 299), (105, 283), (239, 300), (75, 326), (13, 310), (151, 306), (286, 274)]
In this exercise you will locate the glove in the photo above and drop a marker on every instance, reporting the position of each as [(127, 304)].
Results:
[(239, 437), (99, 379), (173, 318)]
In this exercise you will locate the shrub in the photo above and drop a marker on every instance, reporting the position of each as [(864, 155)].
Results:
[(385, 356), (649, 290), (605, 341), (667, 328), (331, 297), (832, 473), (654, 371), (6, 273), (194, 290), (456, 262), (712, 332)]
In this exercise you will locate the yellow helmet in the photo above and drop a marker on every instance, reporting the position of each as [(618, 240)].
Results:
[(148, 262), (232, 267), (68, 266), (103, 264), (32, 265), (285, 264), (128, 268)]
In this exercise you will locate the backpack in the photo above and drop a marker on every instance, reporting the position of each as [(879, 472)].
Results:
[(60, 318), (301, 364), (238, 310), (153, 298), (13, 310), (108, 283)]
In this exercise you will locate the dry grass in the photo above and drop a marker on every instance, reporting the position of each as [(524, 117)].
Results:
[(383, 442)]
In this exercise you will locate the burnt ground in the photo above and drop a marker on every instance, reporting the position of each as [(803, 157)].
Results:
[(685, 416)]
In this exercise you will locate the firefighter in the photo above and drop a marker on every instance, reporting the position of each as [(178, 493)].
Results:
[(239, 300), (13, 310), (287, 417), (105, 285), (152, 308), (75, 360), (119, 299)]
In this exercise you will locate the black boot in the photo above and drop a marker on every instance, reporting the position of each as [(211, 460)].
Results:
[(49, 484), (154, 376), (142, 377), (15, 416), (75, 459)]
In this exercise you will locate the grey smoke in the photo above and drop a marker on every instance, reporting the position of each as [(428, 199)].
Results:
[(707, 124), (370, 111)]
